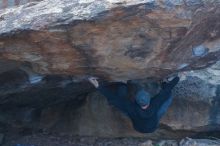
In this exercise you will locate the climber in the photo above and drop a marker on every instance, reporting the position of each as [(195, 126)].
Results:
[(131, 99)]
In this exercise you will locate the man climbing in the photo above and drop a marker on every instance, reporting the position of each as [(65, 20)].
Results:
[(131, 98)]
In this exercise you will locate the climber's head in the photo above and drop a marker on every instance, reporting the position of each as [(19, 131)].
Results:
[(143, 99)]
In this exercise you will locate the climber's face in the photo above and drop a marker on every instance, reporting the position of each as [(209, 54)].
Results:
[(143, 99)]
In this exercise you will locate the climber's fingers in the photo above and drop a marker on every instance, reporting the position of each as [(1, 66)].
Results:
[(94, 81)]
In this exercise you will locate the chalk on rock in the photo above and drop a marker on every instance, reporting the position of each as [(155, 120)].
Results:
[(35, 79), (182, 66), (200, 51)]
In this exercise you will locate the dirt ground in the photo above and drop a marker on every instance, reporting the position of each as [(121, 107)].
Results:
[(42, 138), (49, 140)]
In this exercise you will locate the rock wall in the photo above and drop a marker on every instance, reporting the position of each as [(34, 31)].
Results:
[(195, 108), (48, 48), (117, 40), (58, 104)]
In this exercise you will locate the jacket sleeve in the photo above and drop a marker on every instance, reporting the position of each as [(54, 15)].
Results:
[(163, 96), (170, 85), (113, 90), (165, 93)]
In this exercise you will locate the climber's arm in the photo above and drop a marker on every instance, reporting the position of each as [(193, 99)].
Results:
[(163, 96), (116, 94), (170, 85)]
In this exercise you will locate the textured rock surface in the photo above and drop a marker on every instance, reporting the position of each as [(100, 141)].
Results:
[(118, 40), (199, 142), (44, 139), (195, 108), (10, 3), (59, 105), (112, 39), (201, 90)]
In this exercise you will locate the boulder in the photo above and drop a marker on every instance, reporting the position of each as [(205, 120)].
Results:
[(116, 40), (48, 49)]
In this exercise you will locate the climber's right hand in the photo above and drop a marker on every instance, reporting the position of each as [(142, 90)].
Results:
[(93, 80)]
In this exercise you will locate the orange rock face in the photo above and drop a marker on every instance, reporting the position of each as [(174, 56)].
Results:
[(127, 41)]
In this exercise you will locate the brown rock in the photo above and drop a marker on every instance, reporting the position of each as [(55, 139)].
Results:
[(133, 39), (158, 40)]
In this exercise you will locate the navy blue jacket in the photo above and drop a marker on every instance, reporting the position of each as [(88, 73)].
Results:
[(144, 121)]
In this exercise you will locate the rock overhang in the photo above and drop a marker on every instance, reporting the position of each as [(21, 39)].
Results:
[(127, 41), (118, 40)]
